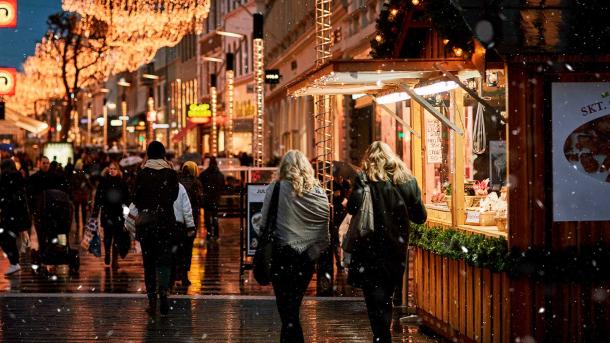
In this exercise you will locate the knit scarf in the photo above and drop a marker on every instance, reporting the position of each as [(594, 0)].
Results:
[(157, 164)]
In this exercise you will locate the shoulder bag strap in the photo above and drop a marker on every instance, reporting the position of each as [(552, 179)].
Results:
[(273, 207)]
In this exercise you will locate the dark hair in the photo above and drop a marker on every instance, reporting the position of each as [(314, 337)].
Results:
[(8, 165), (155, 150), (213, 163)]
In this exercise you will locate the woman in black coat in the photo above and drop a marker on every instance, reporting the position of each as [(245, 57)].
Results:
[(14, 214), (378, 263), (110, 197)]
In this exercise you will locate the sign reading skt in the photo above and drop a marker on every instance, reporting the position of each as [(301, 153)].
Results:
[(8, 13), (8, 80)]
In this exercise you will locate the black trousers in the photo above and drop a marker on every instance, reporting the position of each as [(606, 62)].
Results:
[(378, 300), (182, 253), (8, 242), (111, 231), (291, 274), (157, 258), (211, 220), (83, 207)]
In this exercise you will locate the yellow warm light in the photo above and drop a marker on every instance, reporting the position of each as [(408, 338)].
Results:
[(230, 77), (214, 104), (259, 73)]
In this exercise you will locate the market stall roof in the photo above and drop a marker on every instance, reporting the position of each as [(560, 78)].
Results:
[(374, 75), (24, 122)]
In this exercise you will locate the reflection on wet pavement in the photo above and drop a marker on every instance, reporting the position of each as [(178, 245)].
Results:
[(215, 270), (89, 317)]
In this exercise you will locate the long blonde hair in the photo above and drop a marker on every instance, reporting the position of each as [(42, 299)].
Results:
[(296, 168), (380, 163)]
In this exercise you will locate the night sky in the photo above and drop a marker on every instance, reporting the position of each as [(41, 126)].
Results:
[(16, 44)]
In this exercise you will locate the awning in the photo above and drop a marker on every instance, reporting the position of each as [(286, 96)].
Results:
[(373, 76), (24, 122), (379, 76), (182, 133)]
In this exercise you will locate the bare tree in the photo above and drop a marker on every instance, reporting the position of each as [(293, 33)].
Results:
[(79, 45)]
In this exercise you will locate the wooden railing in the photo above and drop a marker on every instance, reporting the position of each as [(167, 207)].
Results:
[(460, 301)]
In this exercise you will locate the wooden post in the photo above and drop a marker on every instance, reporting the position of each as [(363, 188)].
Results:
[(457, 175)]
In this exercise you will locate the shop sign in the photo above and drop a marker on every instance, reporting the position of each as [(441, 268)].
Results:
[(199, 113), (8, 80), (8, 13), (434, 140), (581, 151), (256, 197), (272, 76)]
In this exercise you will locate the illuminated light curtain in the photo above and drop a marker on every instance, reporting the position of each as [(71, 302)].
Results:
[(259, 75), (229, 79), (214, 104), (138, 28)]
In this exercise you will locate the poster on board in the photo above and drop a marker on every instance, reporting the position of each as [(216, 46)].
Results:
[(497, 164), (255, 198), (581, 151), (434, 140)]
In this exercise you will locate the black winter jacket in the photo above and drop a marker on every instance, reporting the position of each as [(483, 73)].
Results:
[(381, 259), (14, 213), (156, 191), (213, 182), (110, 197)]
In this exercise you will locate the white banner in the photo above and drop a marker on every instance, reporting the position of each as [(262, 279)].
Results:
[(434, 140)]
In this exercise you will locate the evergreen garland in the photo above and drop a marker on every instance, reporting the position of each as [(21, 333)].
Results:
[(447, 21), (476, 250)]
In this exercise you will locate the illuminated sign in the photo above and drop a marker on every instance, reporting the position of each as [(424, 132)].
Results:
[(199, 111), (272, 76), (8, 13), (8, 79), (116, 122)]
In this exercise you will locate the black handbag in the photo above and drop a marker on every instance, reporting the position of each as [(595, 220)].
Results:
[(263, 255), (123, 242)]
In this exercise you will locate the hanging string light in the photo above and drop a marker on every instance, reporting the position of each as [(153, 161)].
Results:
[(138, 28)]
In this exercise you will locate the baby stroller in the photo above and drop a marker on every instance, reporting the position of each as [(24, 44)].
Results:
[(53, 228)]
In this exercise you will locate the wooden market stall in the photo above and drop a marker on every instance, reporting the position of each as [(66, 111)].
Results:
[(512, 157)]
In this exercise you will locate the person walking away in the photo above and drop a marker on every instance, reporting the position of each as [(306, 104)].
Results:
[(300, 235), (155, 192), (80, 192), (14, 214), (339, 212), (378, 263), (185, 225), (41, 181), (194, 189), (213, 182), (110, 197)]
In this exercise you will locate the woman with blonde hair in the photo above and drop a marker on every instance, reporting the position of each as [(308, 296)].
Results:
[(300, 233), (378, 262)]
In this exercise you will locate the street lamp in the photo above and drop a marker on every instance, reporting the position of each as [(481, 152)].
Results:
[(230, 78), (259, 75)]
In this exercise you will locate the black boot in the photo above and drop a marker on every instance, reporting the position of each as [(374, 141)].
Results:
[(164, 305), (152, 304), (107, 258)]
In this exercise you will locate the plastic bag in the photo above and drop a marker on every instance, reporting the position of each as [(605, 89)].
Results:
[(95, 245), (90, 231), (25, 242)]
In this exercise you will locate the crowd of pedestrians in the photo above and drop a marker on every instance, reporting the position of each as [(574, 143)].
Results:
[(169, 199)]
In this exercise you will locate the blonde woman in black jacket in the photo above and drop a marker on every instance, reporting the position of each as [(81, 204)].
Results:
[(378, 263)]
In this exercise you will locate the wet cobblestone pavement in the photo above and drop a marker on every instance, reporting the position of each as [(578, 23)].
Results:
[(215, 270), (86, 318), (106, 304)]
